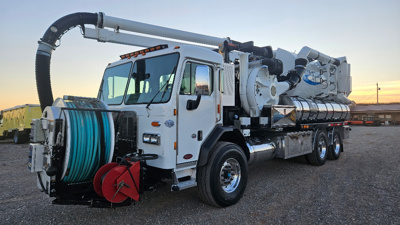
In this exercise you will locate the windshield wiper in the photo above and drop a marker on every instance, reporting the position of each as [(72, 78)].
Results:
[(158, 92)]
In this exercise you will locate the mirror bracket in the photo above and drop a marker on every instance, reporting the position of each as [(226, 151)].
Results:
[(193, 104)]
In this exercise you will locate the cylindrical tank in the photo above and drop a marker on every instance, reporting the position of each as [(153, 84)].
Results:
[(309, 110)]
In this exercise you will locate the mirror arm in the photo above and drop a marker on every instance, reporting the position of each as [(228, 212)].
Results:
[(193, 104)]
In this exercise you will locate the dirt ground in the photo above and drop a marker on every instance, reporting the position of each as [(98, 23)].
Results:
[(362, 187)]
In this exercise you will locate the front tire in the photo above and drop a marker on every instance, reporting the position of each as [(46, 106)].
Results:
[(320, 149), (223, 180)]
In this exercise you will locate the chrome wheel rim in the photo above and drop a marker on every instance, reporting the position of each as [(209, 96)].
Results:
[(230, 175), (336, 144), (322, 148)]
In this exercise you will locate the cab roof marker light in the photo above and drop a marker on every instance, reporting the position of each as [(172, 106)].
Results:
[(143, 51)]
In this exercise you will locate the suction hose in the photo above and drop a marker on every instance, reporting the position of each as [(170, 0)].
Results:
[(48, 43)]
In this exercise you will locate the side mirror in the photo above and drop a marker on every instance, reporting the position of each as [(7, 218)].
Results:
[(193, 104)]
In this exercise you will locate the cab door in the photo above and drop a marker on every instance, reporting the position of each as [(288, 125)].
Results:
[(197, 109)]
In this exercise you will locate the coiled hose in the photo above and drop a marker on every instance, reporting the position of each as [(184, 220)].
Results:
[(89, 142)]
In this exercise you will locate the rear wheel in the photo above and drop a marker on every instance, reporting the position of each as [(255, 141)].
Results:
[(336, 148), (20, 137), (320, 149), (223, 180)]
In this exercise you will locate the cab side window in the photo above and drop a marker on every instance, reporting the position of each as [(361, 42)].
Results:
[(197, 79)]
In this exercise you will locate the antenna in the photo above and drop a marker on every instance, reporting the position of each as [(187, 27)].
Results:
[(377, 96)]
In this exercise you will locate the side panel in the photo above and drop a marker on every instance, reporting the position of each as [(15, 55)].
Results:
[(20, 117), (165, 149), (30, 113), (294, 144), (228, 85)]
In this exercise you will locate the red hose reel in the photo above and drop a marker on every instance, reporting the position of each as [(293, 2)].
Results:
[(117, 182)]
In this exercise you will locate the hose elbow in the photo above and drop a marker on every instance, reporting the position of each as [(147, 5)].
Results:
[(48, 43), (294, 76)]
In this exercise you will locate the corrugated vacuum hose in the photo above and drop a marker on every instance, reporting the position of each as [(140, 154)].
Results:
[(47, 44)]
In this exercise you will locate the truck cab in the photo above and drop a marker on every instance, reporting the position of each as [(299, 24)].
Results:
[(172, 99)]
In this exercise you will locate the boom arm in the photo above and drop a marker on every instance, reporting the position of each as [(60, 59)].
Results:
[(143, 28), (48, 42)]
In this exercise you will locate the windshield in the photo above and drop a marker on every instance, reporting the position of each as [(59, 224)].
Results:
[(150, 80), (114, 84)]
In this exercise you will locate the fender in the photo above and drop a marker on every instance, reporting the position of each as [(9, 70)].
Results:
[(209, 143), (217, 134), (340, 131)]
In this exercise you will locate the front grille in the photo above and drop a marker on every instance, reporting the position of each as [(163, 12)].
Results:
[(127, 133)]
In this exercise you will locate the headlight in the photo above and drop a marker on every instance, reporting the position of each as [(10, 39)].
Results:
[(154, 139), (146, 138)]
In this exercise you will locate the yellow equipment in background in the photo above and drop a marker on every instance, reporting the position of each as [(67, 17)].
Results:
[(16, 121)]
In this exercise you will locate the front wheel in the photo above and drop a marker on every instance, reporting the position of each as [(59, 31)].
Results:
[(223, 180)]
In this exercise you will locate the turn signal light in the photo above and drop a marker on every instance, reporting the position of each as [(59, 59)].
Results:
[(156, 123)]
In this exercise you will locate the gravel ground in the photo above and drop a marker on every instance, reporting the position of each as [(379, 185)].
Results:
[(362, 187)]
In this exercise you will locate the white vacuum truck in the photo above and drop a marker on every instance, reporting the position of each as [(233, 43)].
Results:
[(189, 110)]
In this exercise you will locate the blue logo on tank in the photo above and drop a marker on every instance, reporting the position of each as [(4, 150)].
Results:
[(308, 81)]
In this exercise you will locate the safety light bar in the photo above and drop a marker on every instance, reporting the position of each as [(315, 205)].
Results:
[(313, 125), (143, 52), (336, 124)]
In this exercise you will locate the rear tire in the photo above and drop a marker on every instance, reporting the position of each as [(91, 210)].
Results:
[(20, 137), (336, 147), (223, 180), (320, 149)]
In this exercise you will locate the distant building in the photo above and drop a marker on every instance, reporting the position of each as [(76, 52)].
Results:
[(387, 113)]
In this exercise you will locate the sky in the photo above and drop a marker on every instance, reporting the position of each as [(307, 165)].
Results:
[(366, 32)]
